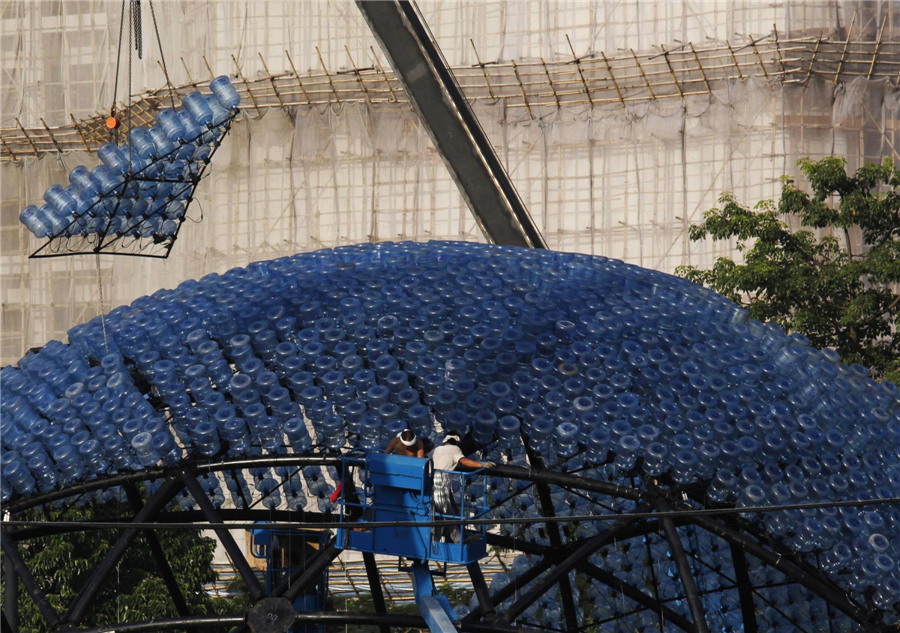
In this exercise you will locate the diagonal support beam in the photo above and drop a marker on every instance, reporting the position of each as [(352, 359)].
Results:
[(640, 529), (316, 566), (159, 556), (539, 475), (526, 547), (485, 601), (235, 553), (563, 567), (446, 115), (102, 572), (821, 587), (745, 589), (518, 583), (375, 589), (10, 590), (553, 533), (602, 576), (11, 551), (692, 595), (630, 591)]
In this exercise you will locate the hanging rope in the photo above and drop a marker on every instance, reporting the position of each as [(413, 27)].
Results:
[(162, 56), (138, 34), (132, 22), (112, 121), (102, 307)]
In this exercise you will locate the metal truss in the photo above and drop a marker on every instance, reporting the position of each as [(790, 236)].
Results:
[(494, 612)]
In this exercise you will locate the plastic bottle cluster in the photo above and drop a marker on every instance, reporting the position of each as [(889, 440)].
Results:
[(617, 372), (139, 189)]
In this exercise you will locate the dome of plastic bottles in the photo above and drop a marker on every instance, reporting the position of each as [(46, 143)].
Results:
[(604, 369)]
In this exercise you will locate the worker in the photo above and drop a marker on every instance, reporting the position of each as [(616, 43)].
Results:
[(406, 443), (446, 458)]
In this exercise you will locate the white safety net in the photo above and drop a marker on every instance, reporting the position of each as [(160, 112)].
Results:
[(624, 178)]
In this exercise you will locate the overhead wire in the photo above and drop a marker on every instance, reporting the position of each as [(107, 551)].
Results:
[(161, 54), (672, 514)]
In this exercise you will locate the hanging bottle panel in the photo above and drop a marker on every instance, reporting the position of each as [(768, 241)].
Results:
[(136, 200)]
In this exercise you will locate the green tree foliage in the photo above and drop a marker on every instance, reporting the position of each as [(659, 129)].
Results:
[(134, 591), (812, 283)]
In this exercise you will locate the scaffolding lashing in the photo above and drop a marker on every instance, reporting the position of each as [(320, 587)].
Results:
[(540, 86)]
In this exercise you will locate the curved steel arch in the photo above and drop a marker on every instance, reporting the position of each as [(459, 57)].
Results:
[(557, 560)]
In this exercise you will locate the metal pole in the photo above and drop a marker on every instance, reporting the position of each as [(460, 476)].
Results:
[(824, 589), (566, 480), (630, 591), (745, 589), (450, 122), (104, 483), (510, 472), (485, 601), (5, 624), (11, 593), (602, 576), (553, 533), (638, 530), (563, 567), (159, 556), (31, 586), (518, 583), (300, 617), (684, 570), (231, 547), (375, 587), (80, 605), (188, 516)]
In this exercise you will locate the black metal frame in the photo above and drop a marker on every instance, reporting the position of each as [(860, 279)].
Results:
[(159, 555), (685, 573), (557, 560), (500, 213), (375, 588), (110, 242), (386, 620)]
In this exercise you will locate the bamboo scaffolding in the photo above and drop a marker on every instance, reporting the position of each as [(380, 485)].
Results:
[(538, 86)]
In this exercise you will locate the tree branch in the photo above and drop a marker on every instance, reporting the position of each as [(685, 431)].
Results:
[(847, 238)]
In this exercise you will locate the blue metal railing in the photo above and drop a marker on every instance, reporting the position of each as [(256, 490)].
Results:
[(402, 490)]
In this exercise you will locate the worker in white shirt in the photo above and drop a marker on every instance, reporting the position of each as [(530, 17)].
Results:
[(445, 458)]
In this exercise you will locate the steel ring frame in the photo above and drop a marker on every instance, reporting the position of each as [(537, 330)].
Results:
[(557, 559)]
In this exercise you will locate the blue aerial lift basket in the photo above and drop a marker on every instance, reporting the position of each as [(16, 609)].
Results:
[(400, 489)]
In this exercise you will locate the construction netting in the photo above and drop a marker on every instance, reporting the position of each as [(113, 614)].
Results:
[(620, 124)]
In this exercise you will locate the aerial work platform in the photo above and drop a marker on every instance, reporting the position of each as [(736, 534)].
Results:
[(402, 490)]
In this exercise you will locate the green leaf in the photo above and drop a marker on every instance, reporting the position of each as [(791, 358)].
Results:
[(810, 282)]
